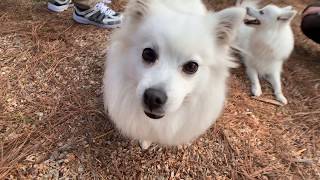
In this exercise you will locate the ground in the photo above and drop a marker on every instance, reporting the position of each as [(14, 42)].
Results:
[(52, 122)]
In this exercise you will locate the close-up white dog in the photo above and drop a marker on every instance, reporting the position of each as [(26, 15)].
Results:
[(266, 38), (166, 70)]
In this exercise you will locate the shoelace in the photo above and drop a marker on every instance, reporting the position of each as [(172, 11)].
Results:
[(105, 9)]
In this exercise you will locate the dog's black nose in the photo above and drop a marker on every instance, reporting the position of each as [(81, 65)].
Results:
[(154, 98)]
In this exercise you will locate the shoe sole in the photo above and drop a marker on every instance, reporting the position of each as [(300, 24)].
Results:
[(55, 8), (82, 20)]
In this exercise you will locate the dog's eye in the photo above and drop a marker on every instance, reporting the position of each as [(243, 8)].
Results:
[(190, 67), (149, 55), (261, 12)]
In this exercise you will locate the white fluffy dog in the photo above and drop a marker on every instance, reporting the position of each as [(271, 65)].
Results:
[(267, 40), (166, 71)]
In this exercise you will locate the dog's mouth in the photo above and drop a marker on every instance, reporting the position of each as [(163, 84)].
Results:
[(252, 22), (153, 116), (251, 19)]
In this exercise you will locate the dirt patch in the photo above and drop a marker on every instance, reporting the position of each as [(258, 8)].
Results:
[(52, 122)]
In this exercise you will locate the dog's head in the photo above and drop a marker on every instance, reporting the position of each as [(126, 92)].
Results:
[(270, 15), (172, 54)]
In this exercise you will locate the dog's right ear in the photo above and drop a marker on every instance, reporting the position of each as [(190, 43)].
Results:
[(239, 2), (248, 3), (226, 24), (287, 16), (137, 9), (289, 8)]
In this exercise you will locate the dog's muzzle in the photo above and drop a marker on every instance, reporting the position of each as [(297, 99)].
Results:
[(251, 19), (154, 101)]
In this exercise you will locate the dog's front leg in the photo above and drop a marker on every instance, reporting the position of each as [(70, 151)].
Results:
[(255, 83), (145, 144), (275, 80)]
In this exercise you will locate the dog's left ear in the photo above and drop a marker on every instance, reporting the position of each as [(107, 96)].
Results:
[(227, 23), (137, 9), (289, 8), (287, 16)]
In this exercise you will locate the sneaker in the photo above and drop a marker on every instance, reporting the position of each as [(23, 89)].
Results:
[(100, 15), (59, 5), (110, 11)]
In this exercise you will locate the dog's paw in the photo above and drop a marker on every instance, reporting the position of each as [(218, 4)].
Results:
[(184, 146), (282, 99), (256, 91), (145, 144)]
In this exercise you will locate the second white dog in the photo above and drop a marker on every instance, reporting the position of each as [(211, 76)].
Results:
[(267, 40)]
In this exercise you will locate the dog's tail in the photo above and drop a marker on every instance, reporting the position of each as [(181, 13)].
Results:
[(248, 3)]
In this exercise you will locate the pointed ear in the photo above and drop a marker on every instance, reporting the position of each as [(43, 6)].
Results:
[(287, 16), (248, 3), (137, 9), (288, 8), (239, 2), (227, 23)]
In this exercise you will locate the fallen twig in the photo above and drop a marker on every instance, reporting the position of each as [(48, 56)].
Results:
[(307, 113), (306, 161), (269, 101)]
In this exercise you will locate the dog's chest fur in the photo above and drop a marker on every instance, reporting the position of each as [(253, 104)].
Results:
[(269, 48)]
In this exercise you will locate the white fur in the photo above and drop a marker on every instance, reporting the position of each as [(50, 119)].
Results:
[(248, 3), (267, 46), (180, 34)]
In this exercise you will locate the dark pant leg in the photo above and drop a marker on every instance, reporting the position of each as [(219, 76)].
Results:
[(310, 26), (85, 4)]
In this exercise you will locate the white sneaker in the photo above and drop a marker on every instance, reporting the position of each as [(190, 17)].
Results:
[(100, 15), (59, 5)]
